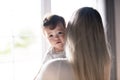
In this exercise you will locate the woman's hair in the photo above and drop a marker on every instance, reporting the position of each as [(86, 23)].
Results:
[(86, 44), (52, 20)]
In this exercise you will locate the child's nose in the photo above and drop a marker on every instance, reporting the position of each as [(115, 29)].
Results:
[(56, 36)]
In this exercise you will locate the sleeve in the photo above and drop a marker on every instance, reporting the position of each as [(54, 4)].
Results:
[(46, 58)]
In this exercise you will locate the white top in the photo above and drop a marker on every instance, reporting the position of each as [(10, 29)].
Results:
[(57, 69), (51, 54)]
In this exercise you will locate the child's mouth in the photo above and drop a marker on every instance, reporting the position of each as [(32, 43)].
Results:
[(58, 42)]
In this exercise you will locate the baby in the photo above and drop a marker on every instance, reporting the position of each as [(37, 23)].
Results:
[(54, 30)]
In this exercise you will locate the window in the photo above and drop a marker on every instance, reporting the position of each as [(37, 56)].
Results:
[(66, 8), (20, 42)]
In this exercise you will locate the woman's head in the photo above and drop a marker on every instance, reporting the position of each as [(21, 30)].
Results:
[(87, 45), (85, 28)]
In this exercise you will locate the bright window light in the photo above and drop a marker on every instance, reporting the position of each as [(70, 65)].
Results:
[(66, 8), (21, 43), (20, 39)]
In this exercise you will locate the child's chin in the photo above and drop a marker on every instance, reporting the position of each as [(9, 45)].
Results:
[(60, 45)]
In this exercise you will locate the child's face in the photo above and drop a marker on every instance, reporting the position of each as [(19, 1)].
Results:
[(56, 37)]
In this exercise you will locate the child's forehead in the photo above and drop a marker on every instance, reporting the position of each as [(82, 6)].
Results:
[(59, 26)]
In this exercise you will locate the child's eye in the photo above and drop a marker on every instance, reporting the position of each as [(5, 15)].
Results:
[(50, 36), (60, 32)]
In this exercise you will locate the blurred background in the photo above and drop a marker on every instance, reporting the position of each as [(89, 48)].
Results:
[(22, 44)]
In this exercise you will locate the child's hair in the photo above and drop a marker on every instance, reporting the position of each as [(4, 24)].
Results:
[(52, 20)]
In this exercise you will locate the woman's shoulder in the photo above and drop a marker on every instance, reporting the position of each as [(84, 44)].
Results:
[(61, 65), (57, 68), (57, 62)]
